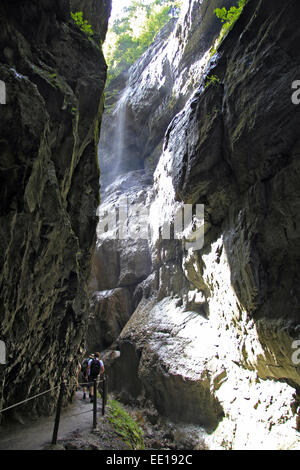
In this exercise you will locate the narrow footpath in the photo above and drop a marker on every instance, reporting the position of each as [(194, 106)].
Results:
[(75, 431)]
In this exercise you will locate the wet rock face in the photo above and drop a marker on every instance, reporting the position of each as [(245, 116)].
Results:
[(111, 311), (217, 324), (156, 87), (245, 165), (49, 184), (120, 264)]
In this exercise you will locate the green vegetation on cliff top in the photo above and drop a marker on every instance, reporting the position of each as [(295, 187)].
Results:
[(130, 35), (81, 23), (228, 17)]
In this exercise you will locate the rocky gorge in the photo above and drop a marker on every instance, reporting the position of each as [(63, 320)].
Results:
[(50, 124), (196, 314), (207, 335)]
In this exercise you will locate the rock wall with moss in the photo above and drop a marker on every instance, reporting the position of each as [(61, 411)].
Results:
[(49, 133), (211, 339)]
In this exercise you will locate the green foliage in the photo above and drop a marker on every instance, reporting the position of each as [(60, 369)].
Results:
[(83, 24), (130, 35), (212, 80), (125, 426), (228, 17)]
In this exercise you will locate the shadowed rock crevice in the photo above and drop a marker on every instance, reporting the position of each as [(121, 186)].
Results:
[(49, 175)]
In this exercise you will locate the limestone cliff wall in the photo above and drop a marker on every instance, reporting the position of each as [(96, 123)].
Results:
[(49, 173), (156, 87), (138, 109), (211, 340)]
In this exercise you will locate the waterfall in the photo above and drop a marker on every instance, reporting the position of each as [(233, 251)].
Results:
[(119, 135)]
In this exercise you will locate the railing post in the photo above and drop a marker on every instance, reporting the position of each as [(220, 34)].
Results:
[(104, 393), (95, 405), (58, 409)]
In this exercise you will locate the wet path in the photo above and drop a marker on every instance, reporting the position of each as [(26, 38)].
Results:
[(37, 435)]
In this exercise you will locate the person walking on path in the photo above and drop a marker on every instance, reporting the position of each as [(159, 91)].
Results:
[(84, 369), (95, 367)]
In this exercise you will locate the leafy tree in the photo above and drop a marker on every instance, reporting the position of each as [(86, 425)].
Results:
[(130, 36)]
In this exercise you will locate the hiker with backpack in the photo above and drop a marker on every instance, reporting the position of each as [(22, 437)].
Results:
[(83, 370), (95, 368)]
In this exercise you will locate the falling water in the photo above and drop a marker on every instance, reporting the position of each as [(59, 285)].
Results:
[(118, 139)]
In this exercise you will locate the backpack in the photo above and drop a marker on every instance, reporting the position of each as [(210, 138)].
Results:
[(95, 368)]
